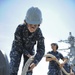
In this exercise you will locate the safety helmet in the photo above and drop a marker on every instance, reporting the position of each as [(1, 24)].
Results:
[(33, 16)]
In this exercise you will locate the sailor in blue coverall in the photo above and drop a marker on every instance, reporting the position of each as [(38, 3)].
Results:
[(26, 36), (54, 68), (68, 67)]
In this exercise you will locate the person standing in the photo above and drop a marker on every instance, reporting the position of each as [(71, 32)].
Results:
[(68, 67), (54, 68)]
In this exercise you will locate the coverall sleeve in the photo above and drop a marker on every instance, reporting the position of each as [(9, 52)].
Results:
[(48, 53), (17, 50), (61, 56), (40, 48)]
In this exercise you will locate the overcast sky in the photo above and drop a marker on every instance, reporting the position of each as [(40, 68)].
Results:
[(58, 21)]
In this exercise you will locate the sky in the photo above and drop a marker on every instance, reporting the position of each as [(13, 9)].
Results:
[(58, 21)]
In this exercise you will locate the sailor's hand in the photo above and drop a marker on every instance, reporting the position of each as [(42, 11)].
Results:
[(32, 66), (61, 65), (71, 73)]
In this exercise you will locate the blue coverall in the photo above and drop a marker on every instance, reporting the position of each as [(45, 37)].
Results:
[(67, 67), (23, 43), (54, 68)]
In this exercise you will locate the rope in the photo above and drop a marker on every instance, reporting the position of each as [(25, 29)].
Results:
[(27, 64), (52, 56)]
